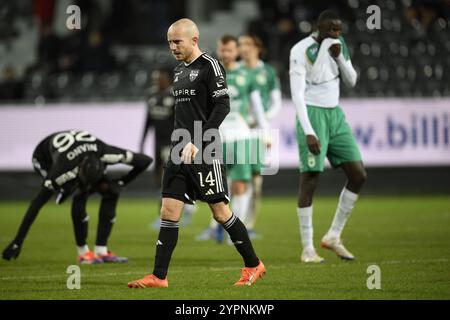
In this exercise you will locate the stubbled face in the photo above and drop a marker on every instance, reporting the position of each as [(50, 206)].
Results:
[(180, 44), (331, 28), (227, 53), (247, 48)]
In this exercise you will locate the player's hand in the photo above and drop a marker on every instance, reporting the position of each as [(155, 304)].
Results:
[(268, 141), (189, 152), (12, 251), (313, 144), (335, 50), (252, 121)]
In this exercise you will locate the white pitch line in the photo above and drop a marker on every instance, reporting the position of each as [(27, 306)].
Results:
[(109, 274)]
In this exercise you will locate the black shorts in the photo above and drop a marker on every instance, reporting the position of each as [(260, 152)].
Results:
[(191, 182)]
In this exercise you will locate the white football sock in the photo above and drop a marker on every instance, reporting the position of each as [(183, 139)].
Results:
[(82, 250), (345, 206), (249, 214), (254, 190), (306, 227), (189, 209), (240, 204), (101, 250), (213, 224)]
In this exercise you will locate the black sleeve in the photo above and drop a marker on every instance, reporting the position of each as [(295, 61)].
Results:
[(218, 93), (148, 122), (139, 161), (144, 134), (35, 206), (62, 178)]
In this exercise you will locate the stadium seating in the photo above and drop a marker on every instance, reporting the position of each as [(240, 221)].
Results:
[(393, 61)]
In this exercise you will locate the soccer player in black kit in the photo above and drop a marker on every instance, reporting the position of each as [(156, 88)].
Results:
[(160, 116), (201, 99), (74, 162)]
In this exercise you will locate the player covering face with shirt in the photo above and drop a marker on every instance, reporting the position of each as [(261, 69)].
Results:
[(201, 101), (317, 65)]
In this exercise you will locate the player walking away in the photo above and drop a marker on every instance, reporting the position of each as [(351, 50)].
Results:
[(244, 98), (317, 63), (201, 98), (252, 50), (160, 115), (75, 162)]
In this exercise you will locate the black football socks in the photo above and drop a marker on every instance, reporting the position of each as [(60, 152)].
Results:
[(106, 218), (167, 240), (239, 235), (80, 219)]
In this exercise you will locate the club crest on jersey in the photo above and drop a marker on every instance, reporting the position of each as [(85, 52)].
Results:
[(193, 75), (261, 78), (240, 80)]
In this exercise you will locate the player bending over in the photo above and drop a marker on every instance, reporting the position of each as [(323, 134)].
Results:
[(201, 99), (74, 162), (317, 63)]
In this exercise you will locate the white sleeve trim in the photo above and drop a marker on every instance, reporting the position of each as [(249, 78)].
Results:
[(297, 77), (67, 176), (258, 109), (117, 158), (275, 103), (298, 91), (112, 158), (347, 71)]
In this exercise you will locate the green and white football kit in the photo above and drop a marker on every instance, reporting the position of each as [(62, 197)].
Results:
[(315, 80), (268, 85), (235, 130)]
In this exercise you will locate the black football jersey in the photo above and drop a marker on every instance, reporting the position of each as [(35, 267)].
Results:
[(201, 94), (160, 112), (57, 156)]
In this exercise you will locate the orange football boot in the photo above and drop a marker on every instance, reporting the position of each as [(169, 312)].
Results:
[(250, 275), (149, 281), (89, 258)]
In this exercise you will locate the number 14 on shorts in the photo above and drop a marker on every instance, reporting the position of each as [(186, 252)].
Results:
[(209, 179)]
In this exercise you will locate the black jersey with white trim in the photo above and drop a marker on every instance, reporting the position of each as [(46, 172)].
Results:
[(61, 153), (201, 94), (160, 113)]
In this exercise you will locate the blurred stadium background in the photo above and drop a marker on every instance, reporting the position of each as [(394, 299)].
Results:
[(96, 78)]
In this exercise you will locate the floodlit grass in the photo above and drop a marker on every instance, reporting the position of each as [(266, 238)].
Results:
[(407, 237)]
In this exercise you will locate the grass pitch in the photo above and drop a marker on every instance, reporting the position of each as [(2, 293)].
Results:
[(407, 237)]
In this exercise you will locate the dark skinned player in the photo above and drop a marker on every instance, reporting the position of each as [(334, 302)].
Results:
[(317, 65)]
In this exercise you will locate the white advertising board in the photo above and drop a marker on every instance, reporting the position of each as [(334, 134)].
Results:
[(389, 132)]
